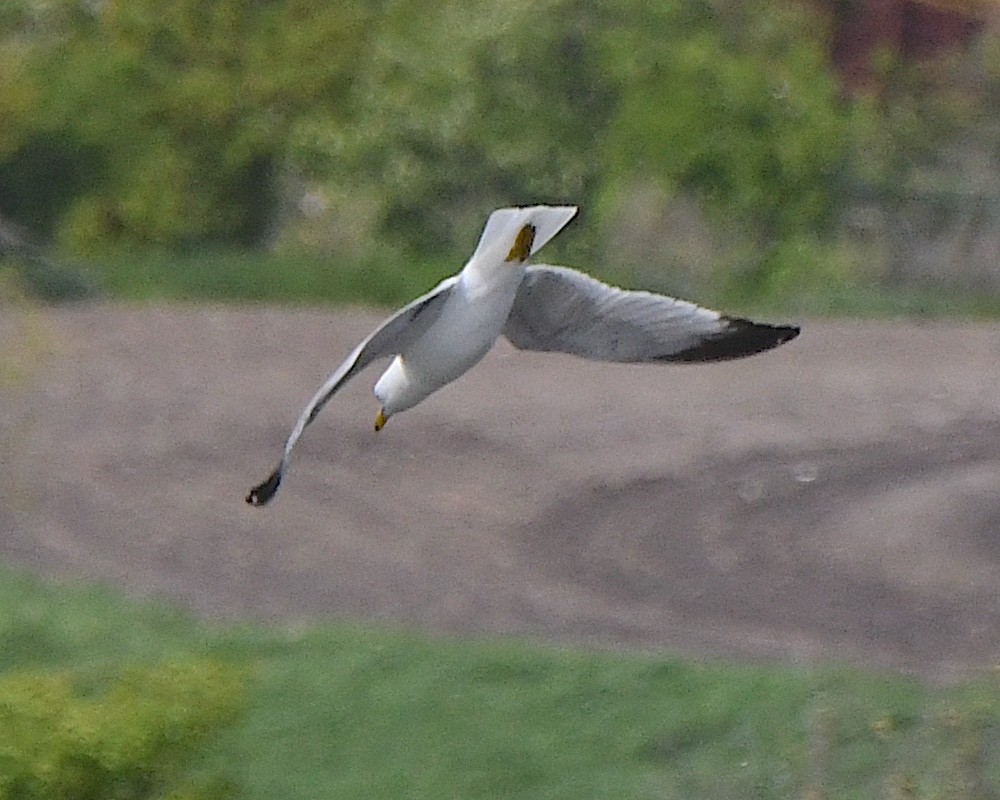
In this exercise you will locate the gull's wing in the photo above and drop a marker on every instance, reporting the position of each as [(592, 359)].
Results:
[(392, 336), (560, 309)]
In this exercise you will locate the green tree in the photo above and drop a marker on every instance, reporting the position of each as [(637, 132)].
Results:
[(456, 109), (735, 111), (393, 127), (161, 124)]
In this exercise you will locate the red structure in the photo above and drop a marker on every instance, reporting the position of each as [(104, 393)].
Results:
[(912, 29)]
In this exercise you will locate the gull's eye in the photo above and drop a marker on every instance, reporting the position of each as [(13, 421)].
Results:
[(522, 244)]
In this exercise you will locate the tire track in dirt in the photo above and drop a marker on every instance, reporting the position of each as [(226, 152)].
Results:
[(835, 499), (889, 552)]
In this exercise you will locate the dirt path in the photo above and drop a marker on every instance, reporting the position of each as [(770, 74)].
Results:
[(835, 499)]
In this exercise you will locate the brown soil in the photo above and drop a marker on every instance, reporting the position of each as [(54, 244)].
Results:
[(836, 499)]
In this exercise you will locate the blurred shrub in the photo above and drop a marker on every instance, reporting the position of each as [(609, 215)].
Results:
[(135, 739), (625, 107), (709, 140), (455, 109), (48, 280), (159, 124), (927, 190), (735, 109), (25, 270), (178, 123)]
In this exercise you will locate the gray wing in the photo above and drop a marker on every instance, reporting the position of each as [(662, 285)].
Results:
[(392, 336), (562, 310)]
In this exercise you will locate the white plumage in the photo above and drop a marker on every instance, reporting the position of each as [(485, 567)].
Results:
[(442, 334)]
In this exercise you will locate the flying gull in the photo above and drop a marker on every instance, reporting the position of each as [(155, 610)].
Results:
[(442, 334)]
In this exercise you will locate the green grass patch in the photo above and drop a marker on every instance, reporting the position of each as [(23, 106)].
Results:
[(343, 711), (232, 276), (386, 280), (869, 302)]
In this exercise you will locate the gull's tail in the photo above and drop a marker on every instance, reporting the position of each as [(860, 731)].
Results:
[(503, 225)]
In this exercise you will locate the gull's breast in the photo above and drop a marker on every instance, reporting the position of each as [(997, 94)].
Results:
[(470, 322), (466, 330)]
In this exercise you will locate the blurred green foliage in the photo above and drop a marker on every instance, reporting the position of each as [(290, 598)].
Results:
[(127, 741), (346, 711), (927, 195), (708, 143), (149, 123)]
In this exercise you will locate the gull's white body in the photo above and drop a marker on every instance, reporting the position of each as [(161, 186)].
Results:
[(444, 333), (452, 346), (475, 312)]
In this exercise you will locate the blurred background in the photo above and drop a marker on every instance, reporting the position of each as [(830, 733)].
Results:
[(777, 578), (832, 151)]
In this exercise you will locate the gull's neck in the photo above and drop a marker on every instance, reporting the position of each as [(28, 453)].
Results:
[(477, 279)]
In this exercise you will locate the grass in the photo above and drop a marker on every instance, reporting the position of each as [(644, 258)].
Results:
[(385, 280), (231, 276), (345, 711), (874, 302)]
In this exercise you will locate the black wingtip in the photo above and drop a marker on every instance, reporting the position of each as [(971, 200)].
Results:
[(740, 338), (783, 333), (261, 494)]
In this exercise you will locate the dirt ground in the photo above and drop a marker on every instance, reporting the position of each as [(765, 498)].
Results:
[(834, 500)]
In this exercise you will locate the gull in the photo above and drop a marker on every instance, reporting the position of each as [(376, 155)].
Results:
[(442, 334)]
